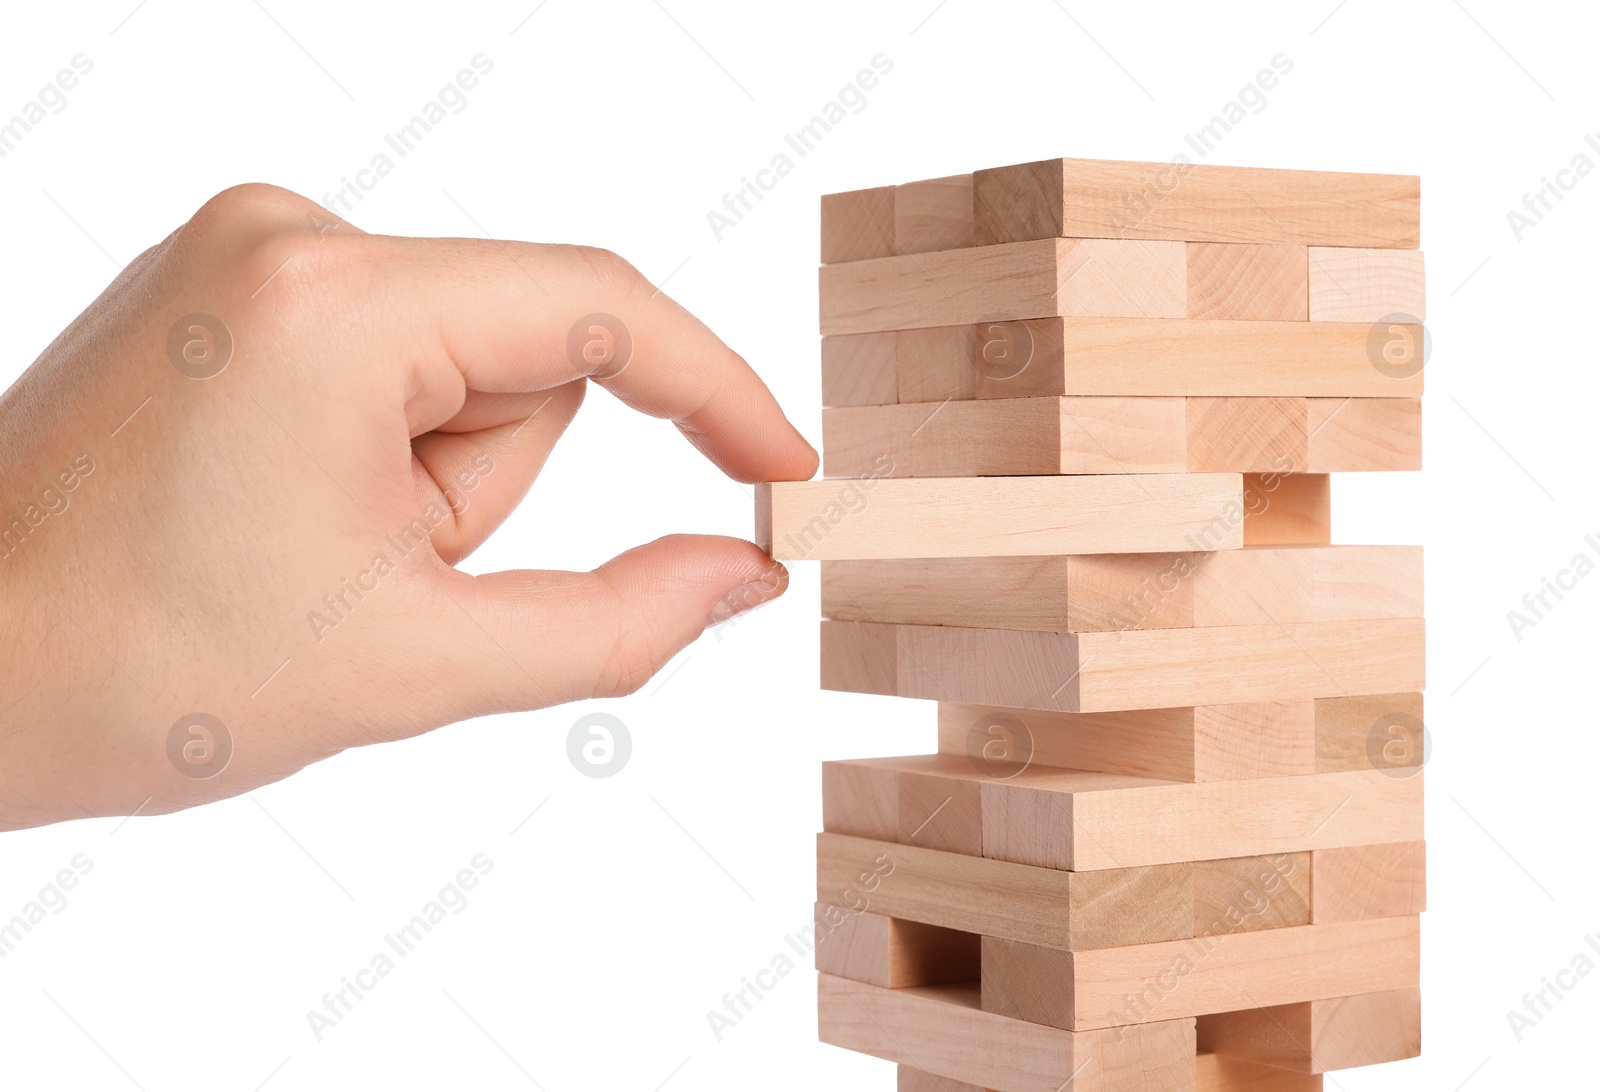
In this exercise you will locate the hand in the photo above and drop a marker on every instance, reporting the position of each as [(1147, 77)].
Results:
[(270, 545)]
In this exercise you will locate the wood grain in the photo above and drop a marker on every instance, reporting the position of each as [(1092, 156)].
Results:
[(859, 370), (1092, 198), (1248, 281), (1359, 882), (966, 517), (944, 1029), (1112, 987), (1357, 284), (1247, 893), (935, 214), (858, 224), (1363, 434), (1221, 1073), (1370, 732), (867, 947), (1083, 278), (1287, 510), (1323, 1035)]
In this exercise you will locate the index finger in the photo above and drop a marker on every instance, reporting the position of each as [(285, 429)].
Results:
[(516, 317)]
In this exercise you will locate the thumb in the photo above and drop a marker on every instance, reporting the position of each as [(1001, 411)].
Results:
[(529, 639)]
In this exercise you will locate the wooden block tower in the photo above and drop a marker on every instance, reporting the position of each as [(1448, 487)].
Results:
[(1080, 421)]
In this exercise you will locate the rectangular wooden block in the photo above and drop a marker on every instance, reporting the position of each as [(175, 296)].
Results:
[(1287, 510), (859, 370), (1079, 821), (858, 224), (1355, 883), (863, 660), (1221, 1073), (1370, 732), (1077, 277), (1307, 584), (1321, 1036), (1363, 434), (908, 1078), (1358, 284), (1248, 281), (867, 947), (1059, 909), (945, 1030), (1113, 987), (1163, 357), (935, 214), (1196, 743), (1247, 893), (933, 366), (1195, 202), (970, 517), (1144, 669)]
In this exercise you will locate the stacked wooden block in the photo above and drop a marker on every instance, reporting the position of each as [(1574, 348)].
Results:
[(1080, 420)]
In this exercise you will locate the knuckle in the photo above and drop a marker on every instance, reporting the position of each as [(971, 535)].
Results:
[(610, 269)]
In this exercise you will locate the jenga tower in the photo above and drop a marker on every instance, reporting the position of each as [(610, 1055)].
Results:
[(1080, 421)]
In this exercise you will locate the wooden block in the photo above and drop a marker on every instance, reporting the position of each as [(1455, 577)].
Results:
[(1220, 1073), (934, 365), (867, 947), (1372, 732), (859, 370), (1110, 987), (941, 812), (1248, 281), (1145, 669), (1247, 435), (1163, 357), (1195, 202), (1077, 277), (861, 799), (1360, 882), (1323, 1035), (858, 225), (1014, 436), (911, 1079), (1004, 517), (1261, 584), (1197, 743), (1084, 821), (944, 1029), (861, 660), (933, 215), (1261, 892), (1357, 284), (1287, 510), (1068, 910), (1364, 434)]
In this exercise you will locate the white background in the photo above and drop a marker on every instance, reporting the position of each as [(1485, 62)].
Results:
[(624, 908)]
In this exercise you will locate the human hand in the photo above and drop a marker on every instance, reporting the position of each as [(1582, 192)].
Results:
[(237, 484)]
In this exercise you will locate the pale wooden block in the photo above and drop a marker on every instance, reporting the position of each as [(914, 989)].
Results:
[(935, 214), (935, 364), (1155, 669), (1197, 743), (1364, 434), (1378, 881), (939, 811), (1049, 906), (1247, 893), (911, 1079), (1248, 281), (1261, 584), (1287, 510), (1367, 732), (1359, 284), (1321, 1036), (861, 799), (1097, 198), (1248, 435), (1087, 990), (1221, 1073), (1085, 278), (858, 224), (859, 370), (1008, 517), (860, 659), (944, 1029), (1199, 358), (1086, 821), (867, 947)]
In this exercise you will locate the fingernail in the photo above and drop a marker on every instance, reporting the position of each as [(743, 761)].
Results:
[(747, 597)]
